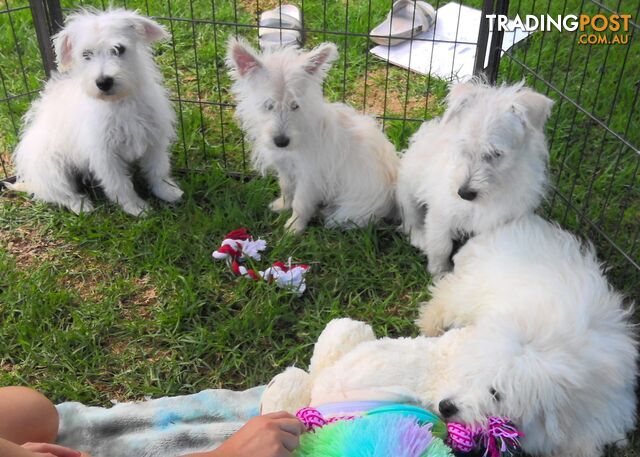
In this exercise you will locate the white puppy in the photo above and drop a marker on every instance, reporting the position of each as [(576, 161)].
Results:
[(551, 345), (326, 155), (104, 110), (349, 364), (482, 164)]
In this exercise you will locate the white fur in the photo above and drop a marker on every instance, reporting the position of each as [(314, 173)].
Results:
[(489, 141), (349, 364), (547, 332), (336, 158), (74, 127)]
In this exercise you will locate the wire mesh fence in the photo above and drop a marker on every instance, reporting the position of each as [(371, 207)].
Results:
[(593, 132), (21, 73), (593, 135), (194, 70)]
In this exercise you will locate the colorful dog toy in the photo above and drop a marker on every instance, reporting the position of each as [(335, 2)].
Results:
[(399, 430), (499, 438), (239, 245), (375, 434)]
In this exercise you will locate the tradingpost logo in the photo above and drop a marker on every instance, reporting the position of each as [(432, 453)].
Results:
[(593, 28)]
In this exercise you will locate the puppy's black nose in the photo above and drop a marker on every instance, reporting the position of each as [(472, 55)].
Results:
[(467, 194), (281, 141), (104, 83), (447, 408)]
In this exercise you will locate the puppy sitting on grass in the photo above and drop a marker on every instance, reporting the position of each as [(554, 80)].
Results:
[(104, 110), (326, 155), (481, 165)]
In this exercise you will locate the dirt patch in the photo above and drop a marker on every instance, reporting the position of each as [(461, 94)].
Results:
[(87, 278), (28, 246), (118, 347), (6, 166), (393, 99), (17, 199), (85, 275), (255, 7), (148, 296), (139, 352), (158, 355), (142, 303), (111, 390), (6, 366)]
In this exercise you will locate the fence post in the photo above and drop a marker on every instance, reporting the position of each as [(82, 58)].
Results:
[(47, 19), (495, 51), (498, 7), (483, 37)]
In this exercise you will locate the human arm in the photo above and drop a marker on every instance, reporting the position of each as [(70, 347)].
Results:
[(270, 435), (9, 449)]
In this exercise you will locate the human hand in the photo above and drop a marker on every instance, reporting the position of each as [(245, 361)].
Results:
[(50, 450), (270, 435)]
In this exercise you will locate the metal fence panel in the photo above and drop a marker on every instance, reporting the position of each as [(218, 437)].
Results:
[(593, 132)]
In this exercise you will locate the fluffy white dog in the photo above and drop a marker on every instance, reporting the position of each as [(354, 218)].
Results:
[(104, 110), (350, 364), (482, 164), (542, 339), (326, 155), (550, 343)]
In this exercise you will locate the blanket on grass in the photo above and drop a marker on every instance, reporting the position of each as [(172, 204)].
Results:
[(165, 427)]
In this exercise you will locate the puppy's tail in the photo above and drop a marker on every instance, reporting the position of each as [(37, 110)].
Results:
[(16, 186)]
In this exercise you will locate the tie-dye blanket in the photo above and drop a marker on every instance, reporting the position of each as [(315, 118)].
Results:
[(165, 427)]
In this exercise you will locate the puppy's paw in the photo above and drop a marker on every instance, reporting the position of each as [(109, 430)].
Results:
[(136, 208), (295, 226), (81, 205), (438, 269), (431, 320), (279, 205), (167, 190), (289, 391), (437, 275), (417, 239), (622, 443)]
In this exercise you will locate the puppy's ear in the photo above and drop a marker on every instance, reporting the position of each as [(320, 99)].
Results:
[(458, 98), (63, 48), (318, 60), (242, 58), (150, 30), (535, 107)]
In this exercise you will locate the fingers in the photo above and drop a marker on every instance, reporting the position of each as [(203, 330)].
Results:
[(280, 415), (290, 441), (52, 449), (287, 422), (293, 426), (289, 428)]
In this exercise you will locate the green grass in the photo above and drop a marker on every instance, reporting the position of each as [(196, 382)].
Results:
[(104, 306), (136, 307)]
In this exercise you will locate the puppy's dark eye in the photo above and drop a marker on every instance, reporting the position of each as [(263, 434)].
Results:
[(87, 54), (495, 394), (294, 106), (118, 50), (268, 105)]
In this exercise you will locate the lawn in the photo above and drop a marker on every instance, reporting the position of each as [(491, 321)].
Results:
[(104, 306)]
